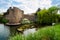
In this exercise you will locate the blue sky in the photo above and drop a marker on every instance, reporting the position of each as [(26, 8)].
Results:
[(29, 6)]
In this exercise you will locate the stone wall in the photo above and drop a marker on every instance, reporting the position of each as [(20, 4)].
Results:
[(14, 15), (30, 17)]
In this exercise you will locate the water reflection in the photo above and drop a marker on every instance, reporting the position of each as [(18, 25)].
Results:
[(29, 31), (4, 32), (13, 30)]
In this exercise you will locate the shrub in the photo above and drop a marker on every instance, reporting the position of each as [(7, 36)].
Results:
[(4, 20)]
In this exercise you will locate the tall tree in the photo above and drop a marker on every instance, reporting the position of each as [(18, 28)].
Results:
[(47, 16)]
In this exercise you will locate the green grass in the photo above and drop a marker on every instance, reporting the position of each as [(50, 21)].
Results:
[(46, 33)]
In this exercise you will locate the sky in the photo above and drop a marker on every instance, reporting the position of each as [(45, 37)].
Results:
[(28, 6)]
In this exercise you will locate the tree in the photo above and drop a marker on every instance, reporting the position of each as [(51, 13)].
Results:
[(53, 11), (47, 17), (2, 19), (43, 17)]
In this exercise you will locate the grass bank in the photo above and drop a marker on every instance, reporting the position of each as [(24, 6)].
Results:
[(46, 33)]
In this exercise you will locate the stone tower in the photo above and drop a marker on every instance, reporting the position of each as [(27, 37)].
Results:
[(14, 15)]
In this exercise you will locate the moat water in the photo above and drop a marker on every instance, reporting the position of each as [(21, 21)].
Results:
[(6, 31)]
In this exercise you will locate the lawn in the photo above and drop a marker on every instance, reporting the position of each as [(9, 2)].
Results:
[(46, 33)]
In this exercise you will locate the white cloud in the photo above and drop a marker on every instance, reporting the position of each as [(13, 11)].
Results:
[(45, 3), (30, 6), (2, 10)]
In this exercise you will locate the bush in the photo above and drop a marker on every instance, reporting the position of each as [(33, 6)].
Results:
[(4, 20)]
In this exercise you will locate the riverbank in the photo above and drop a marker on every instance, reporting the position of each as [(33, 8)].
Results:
[(46, 33)]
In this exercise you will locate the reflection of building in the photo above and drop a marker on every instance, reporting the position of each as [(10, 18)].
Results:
[(14, 15)]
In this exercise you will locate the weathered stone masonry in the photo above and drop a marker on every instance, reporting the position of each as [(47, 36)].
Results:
[(14, 15)]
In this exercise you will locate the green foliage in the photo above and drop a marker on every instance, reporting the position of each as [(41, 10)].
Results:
[(47, 16), (53, 9), (47, 33), (17, 37), (59, 18), (42, 16), (3, 20)]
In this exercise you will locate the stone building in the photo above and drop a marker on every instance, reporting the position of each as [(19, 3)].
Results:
[(30, 17), (14, 15)]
